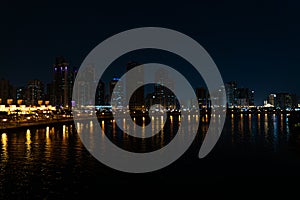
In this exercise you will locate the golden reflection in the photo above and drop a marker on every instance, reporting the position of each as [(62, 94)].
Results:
[(102, 126), (124, 124), (114, 129), (64, 132), (250, 123), (47, 132), (144, 123), (266, 124), (28, 137), (143, 130), (161, 123), (171, 127), (48, 142), (4, 140), (258, 123), (28, 143), (153, 125)]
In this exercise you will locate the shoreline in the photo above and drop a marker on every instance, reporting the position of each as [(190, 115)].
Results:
[(19, 125)]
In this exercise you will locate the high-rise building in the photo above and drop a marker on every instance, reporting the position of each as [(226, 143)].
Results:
[(163, 90), (272, 99), (117, 94), (34, 92), (63, 79), (137, 100), (231, 89), (244, 97), (100, 94), (6, 91), (286, 101), (203, 97), (21, 93)]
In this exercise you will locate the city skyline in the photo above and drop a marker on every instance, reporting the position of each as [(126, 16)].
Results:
[(59, 90)]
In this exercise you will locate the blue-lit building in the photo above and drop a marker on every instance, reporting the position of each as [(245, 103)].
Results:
[(117, 94)]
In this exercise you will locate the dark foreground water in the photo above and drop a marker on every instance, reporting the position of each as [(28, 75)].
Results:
[(51, 162)]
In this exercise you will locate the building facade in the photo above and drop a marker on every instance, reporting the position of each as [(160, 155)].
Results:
[(63, 79), (34, 92), (137, 100)]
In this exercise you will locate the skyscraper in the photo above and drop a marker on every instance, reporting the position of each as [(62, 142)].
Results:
[(21, 93), (203, 97), (63, 79), (245, 97), (34, 92), (231, 89), (272, 99), (137, 100), (162, 90), (100, 94), (285, 101), (117, 94)]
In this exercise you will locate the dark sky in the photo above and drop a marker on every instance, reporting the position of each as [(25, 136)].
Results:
[(254, 42)]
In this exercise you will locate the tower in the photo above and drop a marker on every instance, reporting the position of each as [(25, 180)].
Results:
[(137, 98), (63, 79)]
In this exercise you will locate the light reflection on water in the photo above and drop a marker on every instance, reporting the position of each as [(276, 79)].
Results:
[(54, 153), (243, 128)]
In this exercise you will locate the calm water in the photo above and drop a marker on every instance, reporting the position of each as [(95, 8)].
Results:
[(51, 162)]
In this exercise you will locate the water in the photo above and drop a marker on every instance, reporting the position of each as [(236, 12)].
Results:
[(51, 162)]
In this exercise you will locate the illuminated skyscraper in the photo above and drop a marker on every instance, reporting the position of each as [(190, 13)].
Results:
[(286, 101), (272, 99), (137, 100), (117, 94), (34, 92), (63, 79), (231, 90), (162, 90)]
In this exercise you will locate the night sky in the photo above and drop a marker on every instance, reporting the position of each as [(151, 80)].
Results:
[(253, 42)]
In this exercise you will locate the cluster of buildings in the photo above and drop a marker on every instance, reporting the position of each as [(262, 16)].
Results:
[(238, 97), (284, 101), (36, 93), (58, 93)]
